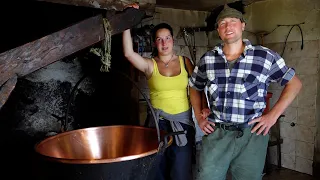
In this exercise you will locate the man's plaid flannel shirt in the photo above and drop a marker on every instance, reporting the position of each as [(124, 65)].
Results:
[(238, 96)]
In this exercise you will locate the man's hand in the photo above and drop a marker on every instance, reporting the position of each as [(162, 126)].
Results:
[(205, 113), (264, 123), (205, 125)]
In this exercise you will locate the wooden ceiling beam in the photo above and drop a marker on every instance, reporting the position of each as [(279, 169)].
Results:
[(118, 5), (199, 5), (34, 55), (6, 89)]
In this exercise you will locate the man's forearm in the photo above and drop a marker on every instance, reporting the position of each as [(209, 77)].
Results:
[(204, 101), (288, 94)]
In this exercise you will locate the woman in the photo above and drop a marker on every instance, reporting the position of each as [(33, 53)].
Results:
[(167, 75)]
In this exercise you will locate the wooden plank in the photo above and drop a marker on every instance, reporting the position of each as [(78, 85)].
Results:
[(32, 56), (125, 20), (6, 90), (199, 5), (118, 5), (44, 51)]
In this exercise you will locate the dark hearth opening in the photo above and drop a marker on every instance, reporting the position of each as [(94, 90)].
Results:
[(37, 107)]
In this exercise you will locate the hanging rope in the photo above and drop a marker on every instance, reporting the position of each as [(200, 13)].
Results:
[(105, 52)]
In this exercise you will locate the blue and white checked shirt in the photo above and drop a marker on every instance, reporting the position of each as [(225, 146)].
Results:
[(238, 96)]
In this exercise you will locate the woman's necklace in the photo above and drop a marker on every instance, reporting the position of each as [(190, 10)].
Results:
[(167, 64)]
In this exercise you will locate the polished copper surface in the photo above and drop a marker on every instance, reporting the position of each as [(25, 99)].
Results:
[(105, 144)]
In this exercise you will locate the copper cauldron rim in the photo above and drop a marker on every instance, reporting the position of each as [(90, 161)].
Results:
[(96, 161)]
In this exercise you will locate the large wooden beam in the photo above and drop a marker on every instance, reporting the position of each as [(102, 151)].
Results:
[(32, 56), (6, 89), (199, 5), (118, 5)]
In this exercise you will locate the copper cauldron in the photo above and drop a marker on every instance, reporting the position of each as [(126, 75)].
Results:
[(108, 152), (104, 153), (100, 145)]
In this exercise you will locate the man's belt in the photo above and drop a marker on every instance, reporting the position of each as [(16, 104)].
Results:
[(232, 127)]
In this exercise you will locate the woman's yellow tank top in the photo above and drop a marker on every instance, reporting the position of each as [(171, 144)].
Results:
[(169, 93)]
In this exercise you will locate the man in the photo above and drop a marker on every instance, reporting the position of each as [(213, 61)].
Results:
[(237, 75)]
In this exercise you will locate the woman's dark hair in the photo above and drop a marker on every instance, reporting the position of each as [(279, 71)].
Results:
[(154, 32)]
